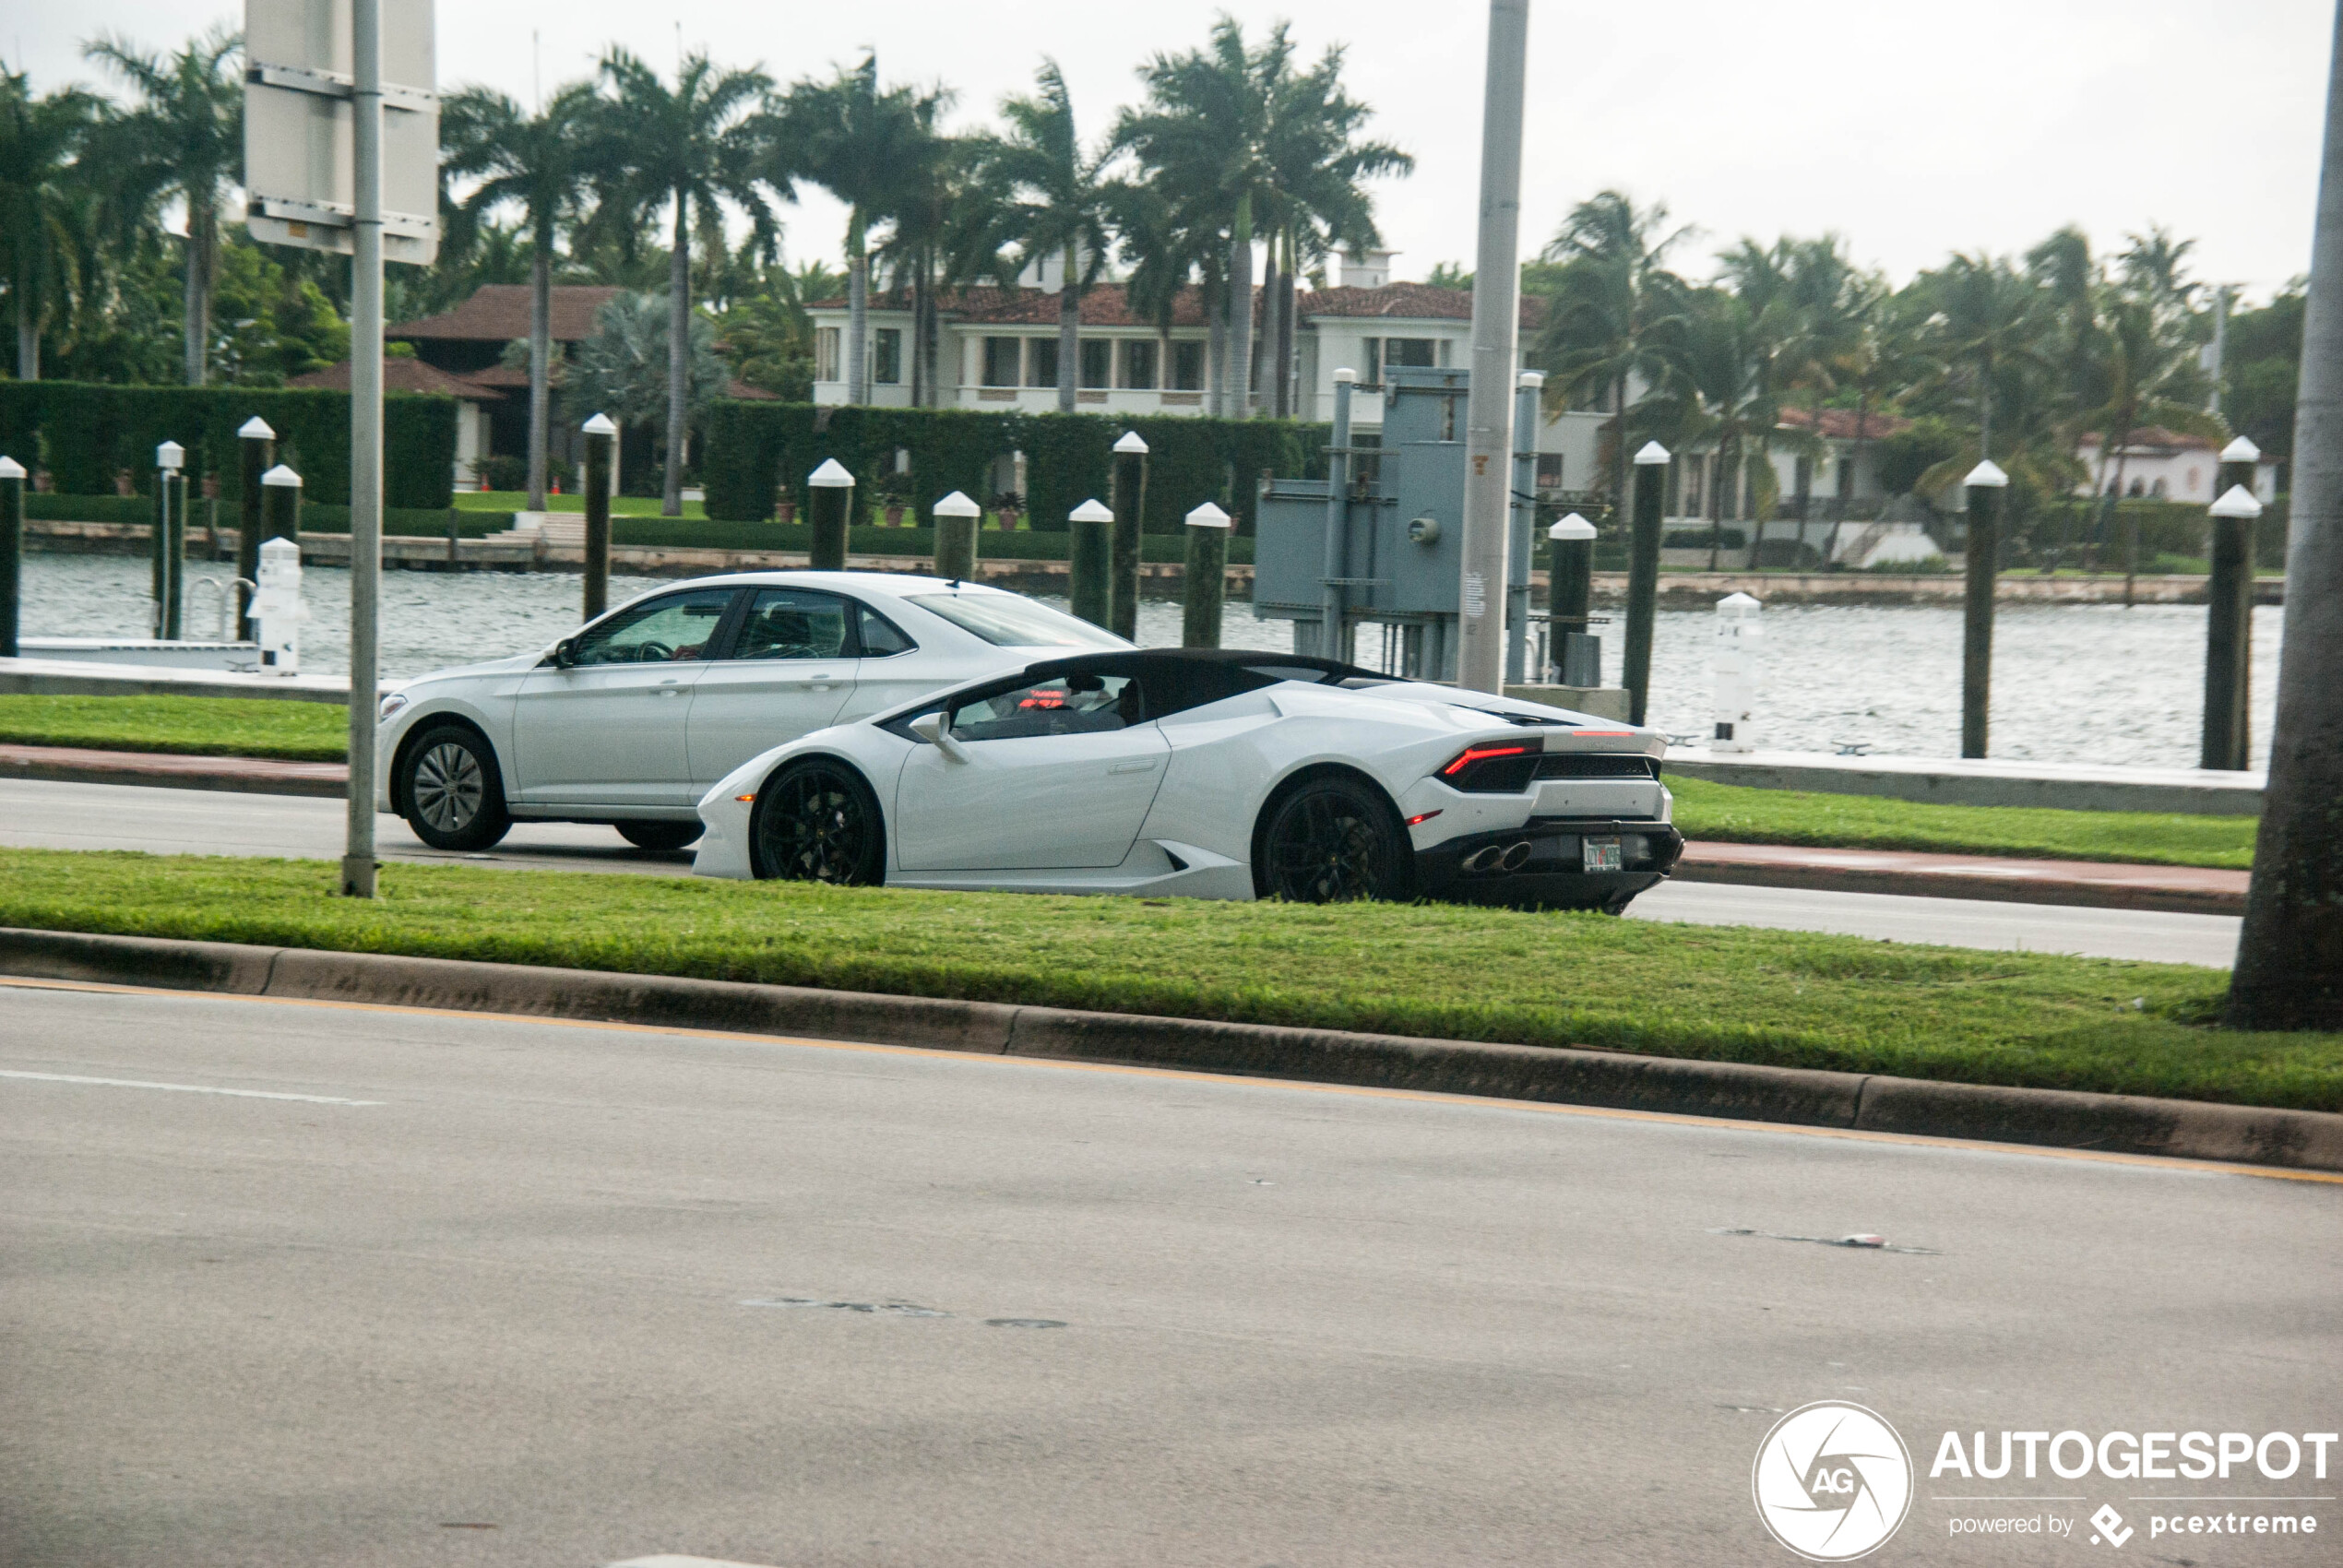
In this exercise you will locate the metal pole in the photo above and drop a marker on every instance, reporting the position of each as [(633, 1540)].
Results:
[(1521, 516), (366, 435), (956, 521), (259, 451), (1205, 582), (1130, 498), (600, 432), (1489, 411), (1643, 576), (11, 553), (1332, 641), (2228, 614), (1089, 562), (1985, 484)]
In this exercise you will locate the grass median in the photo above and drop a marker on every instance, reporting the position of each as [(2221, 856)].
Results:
[(1725, 994), (263, 727)]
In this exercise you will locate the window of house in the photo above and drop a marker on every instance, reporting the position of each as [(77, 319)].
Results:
[(1847, 477), (826, 353), (1098, 362), (1695, 488), (1414, 353), (1041, 362), (1138, 364), (1375, 361), (1187, 367), (1550, 471), (887, 356), (1001, 362)]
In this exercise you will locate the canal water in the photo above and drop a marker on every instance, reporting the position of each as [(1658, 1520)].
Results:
[(2071, 682)]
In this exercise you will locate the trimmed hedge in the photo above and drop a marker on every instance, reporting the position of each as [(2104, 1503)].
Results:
[(316, 517), (753, 448), (85, 434), (991, 544)]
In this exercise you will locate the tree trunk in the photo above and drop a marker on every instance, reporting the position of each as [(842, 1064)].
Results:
[(1239, 402), (1272, 384), (1069, 334), (679, 354), (1287, 394), (1216, 353), (541, 368), (1619, 452), (2290, 956), (28, 334), (858, 308), (196, 320)]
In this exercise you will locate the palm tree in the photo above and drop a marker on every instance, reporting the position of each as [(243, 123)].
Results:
[(184, 138), (537, 163), (1047, 196), (855, 142), (1989, 318), (2289, 954), (40, 139), (1316, 167), (691, 149), (1615, 310), (936, 231), (1205, 132)]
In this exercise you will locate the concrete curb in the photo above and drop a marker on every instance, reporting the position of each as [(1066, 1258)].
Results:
[(2117, 1123), (2175, 890), (159, 770)]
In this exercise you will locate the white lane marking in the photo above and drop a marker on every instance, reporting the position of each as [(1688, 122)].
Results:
[(184, 1088), (668, 1560)]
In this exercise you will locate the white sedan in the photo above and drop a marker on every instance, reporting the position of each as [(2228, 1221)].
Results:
[(631, 719), (1217, 775)]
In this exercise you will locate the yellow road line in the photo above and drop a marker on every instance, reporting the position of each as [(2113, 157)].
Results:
[(1668, 1118)]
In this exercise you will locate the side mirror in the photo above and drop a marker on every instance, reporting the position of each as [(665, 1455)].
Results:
[(566, 653), (936, 730)]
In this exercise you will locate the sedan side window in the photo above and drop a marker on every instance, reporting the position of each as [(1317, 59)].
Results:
[(1077, 704), (881, 636), (677, 626), (794, 624)]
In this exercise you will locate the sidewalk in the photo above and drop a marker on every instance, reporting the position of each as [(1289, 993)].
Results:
[(2182, 889)]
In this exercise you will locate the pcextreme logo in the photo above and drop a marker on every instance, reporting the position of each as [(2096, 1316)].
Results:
[(1832, 1481)]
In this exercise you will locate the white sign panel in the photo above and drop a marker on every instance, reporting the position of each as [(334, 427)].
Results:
[(298, 161)]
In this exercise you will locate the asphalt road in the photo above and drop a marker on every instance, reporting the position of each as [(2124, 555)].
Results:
[(105, 817), (478, 1291)]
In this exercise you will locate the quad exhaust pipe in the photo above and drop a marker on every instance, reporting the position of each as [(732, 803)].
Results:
[(1498, 858)]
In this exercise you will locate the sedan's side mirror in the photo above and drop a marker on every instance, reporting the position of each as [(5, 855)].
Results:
[(566, 653), (935, 728)]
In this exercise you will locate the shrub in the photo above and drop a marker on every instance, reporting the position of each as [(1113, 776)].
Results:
[(504, 472)]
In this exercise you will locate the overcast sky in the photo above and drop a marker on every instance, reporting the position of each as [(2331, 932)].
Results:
[(1912, 128)]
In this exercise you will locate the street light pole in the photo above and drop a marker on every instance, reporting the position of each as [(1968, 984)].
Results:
[(1487, 492), (365, 436)]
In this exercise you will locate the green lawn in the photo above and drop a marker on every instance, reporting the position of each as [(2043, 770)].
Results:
[(315, 732), (302, 731), (1732, 995), (517, 501), (1705, 810)]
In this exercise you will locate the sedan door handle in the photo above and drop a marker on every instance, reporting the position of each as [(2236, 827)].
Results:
[(1144, 764)]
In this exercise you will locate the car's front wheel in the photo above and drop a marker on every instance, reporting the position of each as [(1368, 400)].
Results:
[(659, 835), (1330, 840), (451, 788), (817, 821)]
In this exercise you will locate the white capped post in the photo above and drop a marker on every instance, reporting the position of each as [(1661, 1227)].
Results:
[(1481, 654)]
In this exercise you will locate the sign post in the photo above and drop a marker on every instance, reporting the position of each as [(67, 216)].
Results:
[(326, 168)]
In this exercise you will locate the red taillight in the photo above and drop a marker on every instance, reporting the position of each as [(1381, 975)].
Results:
[(1480, 753)]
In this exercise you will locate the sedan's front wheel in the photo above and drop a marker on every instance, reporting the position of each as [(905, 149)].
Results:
[(817, 821), (1329, 842), (452, 794)]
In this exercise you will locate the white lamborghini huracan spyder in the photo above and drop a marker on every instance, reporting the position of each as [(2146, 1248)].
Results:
[(1219, 775)]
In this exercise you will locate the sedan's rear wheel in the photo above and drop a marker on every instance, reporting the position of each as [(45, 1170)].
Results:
[(1332, 840), (817, 821), (452, 792)]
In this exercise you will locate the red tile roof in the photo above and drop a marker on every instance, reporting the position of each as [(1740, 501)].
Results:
[(402, 374), (1839, 424), (498, 313)]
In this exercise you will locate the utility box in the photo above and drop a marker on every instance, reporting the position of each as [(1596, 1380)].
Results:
[(1402, 544)]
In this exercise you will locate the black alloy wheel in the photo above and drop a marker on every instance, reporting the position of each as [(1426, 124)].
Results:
[(817, 821), (452, 791), (1331, 841), (659, 836)]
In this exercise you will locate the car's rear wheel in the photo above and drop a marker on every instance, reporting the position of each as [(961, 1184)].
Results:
[(659, 835), (451, 788), (817, 821), (1330, 840)]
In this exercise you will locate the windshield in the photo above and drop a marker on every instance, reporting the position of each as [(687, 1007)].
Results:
[(1006, 621)]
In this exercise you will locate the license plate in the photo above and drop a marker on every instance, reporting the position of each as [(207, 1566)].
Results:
[(1602, 854)]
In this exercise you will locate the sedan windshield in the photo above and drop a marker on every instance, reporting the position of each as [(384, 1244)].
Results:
[(1006, 621)]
